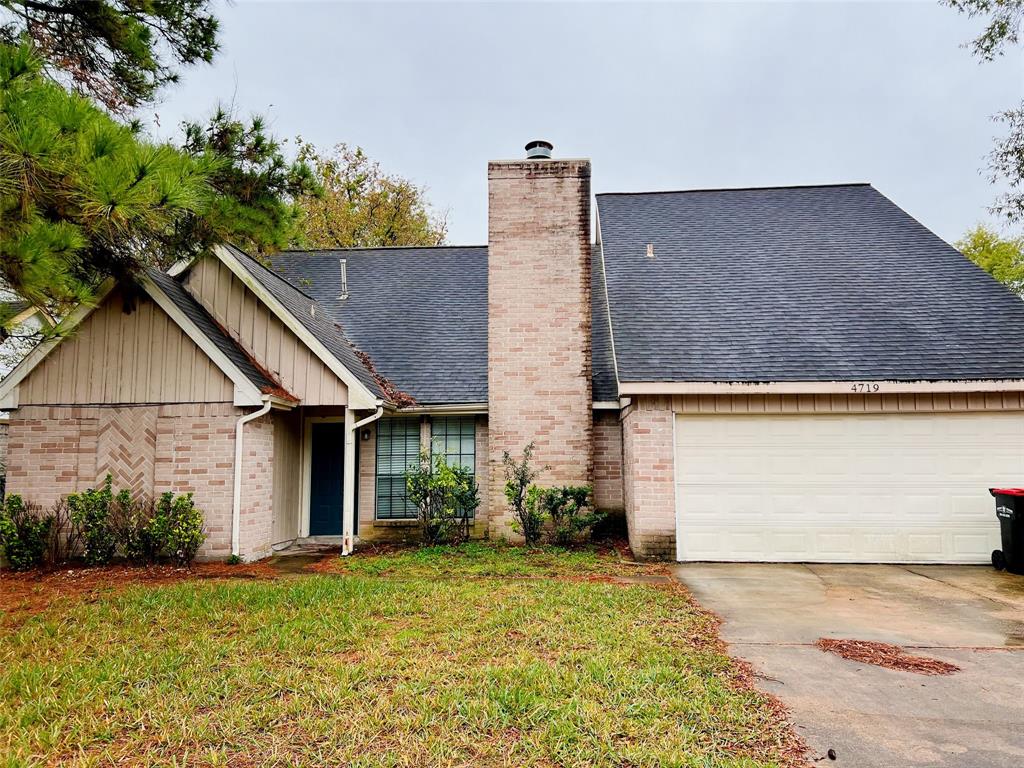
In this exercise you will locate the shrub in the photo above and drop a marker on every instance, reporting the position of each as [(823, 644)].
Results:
[(184, 528), (140, 529), (519, 476), (24, 533), (126, 521), (570, 510), (90, 509), (65, 540), (446, 498)]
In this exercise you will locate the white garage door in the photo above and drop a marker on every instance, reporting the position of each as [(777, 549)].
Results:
[(843, 488)]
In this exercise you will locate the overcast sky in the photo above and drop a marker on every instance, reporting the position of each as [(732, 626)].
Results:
[(663, 96)]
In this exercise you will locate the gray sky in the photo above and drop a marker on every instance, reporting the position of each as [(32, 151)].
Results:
[(664, 96)]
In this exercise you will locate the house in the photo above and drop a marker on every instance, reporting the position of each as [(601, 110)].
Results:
[(778, 374)]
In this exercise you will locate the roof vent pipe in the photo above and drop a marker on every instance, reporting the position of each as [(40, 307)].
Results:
[(539, 150), (343, 263)]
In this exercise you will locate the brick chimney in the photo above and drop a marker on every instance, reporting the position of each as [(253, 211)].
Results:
[(538, 321)]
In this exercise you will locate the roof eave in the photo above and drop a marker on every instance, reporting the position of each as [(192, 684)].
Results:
[(859, 386)]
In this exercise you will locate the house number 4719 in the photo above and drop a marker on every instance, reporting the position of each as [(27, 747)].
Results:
[(864, 386)]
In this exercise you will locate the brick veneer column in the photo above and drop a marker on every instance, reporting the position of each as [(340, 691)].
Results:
[(538, 329), (649, 477), (257, 511)]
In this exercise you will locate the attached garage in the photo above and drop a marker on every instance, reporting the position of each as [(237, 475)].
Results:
[(806, 374), (843, 487)]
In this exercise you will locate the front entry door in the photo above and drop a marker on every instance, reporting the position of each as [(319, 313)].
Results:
[(326, 462)]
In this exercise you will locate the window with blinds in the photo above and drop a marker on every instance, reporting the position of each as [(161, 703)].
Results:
[(398, 448)]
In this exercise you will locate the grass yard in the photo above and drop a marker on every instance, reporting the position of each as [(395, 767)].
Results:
[(481, 656)]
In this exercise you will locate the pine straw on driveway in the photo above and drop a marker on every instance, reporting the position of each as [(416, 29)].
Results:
[(452, 667), (886, 655)]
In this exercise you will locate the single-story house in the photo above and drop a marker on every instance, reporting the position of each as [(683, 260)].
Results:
[(778, 374)]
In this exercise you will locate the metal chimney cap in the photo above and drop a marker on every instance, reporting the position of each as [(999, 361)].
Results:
[(539, 149)]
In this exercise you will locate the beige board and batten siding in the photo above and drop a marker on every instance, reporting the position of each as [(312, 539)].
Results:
[(251, 323), (119, 357)]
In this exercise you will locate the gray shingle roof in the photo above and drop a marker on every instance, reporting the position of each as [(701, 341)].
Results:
[(195, 312), (320, 323), (420, 313), (801, 283)]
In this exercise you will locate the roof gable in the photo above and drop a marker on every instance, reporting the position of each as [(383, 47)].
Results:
[(130, 350), (314, 326)]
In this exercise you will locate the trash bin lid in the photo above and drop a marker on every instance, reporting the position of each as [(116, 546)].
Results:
[(1007, 491)]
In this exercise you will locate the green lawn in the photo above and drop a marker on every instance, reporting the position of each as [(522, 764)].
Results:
[(415, 659)]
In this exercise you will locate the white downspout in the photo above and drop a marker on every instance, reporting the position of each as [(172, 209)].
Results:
[(236, 495), (348, 505)]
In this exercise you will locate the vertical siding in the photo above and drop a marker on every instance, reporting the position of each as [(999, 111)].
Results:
[(119, 358), (263, 335), (287, 466)]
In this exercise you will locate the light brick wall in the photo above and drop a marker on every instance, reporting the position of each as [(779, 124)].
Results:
[(608, 461), (54, 451), (649, 485), (195, 452), (538, 330), (257, 509)]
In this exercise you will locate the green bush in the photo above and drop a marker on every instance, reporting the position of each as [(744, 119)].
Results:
[(519, 477), (569, 509), (140, 529), (99, 524), (184, 529), (446, 498), (90, 510), (24, 533)]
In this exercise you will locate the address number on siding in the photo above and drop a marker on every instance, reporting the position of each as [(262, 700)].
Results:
[(865, 386)]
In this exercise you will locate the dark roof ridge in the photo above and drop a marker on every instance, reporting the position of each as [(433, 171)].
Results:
[(740, 189), (269, 271)]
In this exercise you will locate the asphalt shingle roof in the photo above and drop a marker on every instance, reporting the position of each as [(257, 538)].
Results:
[(195, 312), (797, 284), (419, 313), (319, 322)]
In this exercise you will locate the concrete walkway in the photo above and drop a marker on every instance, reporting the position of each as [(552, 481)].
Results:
[(872, 717)]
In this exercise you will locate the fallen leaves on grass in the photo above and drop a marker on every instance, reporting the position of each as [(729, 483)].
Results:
[(26, 594), (885, 655)]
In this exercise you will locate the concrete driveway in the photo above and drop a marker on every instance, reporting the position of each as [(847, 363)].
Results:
[(971, 616)]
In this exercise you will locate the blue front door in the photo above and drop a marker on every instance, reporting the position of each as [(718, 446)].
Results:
[(326, 461)]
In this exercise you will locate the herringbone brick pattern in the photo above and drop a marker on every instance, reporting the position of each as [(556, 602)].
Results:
[(126, 446)]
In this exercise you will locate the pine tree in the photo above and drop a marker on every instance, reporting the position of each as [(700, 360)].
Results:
[(82, 197)]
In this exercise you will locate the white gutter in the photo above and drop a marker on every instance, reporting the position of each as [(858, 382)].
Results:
[(236, 495), (864, 387), (348, 504)]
